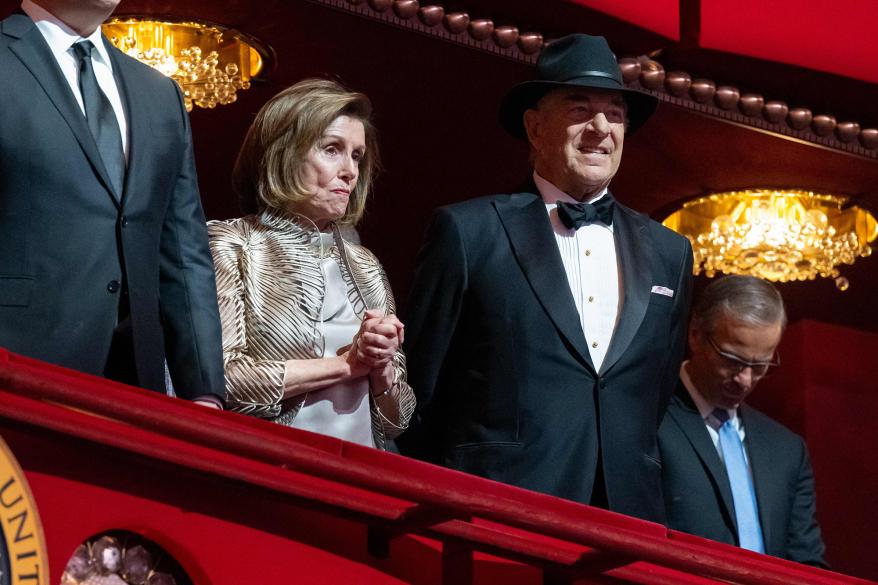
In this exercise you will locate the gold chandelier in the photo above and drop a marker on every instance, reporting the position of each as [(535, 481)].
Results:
[(209, 62), (778, 235)]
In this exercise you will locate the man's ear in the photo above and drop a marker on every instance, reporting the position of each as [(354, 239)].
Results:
[(532, 121)]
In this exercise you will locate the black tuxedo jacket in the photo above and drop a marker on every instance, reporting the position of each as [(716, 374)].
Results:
[(68, 241), (697, 491), (499, 363)]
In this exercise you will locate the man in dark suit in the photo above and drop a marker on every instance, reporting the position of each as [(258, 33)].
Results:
[(104, 263), (730, 473), (546, 326)]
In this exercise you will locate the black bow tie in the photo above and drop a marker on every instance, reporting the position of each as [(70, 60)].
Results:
[(574, 215)]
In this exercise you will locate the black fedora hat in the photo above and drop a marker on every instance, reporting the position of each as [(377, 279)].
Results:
[(574, 61)]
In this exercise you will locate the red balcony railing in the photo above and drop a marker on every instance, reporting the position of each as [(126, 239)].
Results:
[(238, 500)]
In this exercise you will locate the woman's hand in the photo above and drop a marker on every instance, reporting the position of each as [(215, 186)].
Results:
[(381, 379), (372, 349), (356, 368), (370, 354), (379, 338), (381, 385)]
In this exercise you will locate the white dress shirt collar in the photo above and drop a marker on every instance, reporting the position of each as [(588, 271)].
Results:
[(552, 194), (61, 37)]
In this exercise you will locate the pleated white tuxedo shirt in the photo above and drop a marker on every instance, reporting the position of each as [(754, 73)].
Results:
[(589, 258)]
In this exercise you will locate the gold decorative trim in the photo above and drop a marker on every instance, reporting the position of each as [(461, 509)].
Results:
[(23, 557)]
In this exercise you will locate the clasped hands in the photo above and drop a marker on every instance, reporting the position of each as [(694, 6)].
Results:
[(373, 348)]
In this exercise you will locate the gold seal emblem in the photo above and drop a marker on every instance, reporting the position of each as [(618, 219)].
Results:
[(23, 559)]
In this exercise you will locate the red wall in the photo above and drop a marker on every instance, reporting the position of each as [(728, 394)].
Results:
[(827, 390)]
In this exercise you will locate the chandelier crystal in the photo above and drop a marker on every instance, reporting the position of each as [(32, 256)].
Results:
[(778, 235), (210, 63)]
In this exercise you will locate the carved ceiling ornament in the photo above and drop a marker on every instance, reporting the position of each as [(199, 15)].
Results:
[(674, 87)]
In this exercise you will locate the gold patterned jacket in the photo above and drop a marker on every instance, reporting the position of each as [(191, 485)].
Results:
[(270, 290)]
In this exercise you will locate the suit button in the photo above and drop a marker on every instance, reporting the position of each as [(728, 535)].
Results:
[(124, 221), (113, 286)]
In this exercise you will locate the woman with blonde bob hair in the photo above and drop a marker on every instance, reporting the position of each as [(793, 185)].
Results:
[(310, 338)]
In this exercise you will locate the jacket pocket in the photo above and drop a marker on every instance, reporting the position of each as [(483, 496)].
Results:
[(662, 301), (491, 459), (15, 291)]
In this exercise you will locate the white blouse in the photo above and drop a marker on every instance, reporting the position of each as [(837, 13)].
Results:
[(341, 410)]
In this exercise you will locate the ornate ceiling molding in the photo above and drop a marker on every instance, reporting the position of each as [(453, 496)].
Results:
[(703, 96), (727, 102), (456, 27)]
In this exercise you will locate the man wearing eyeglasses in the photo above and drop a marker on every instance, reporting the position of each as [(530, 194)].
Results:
[(730, 473)]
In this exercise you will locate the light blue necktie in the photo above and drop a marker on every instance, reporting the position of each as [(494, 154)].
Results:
[(743, 493)]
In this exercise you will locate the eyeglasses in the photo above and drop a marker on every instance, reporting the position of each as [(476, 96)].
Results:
[(738, 364)]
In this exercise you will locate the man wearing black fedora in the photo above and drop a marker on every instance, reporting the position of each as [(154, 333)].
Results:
[(546, 327)]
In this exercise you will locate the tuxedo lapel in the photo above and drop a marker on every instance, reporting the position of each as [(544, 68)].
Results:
[(759, 451), (688, 419), (634, 250), (32, 50), (530, 234)]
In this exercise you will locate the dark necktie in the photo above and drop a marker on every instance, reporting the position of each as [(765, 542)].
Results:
[(575, 215), (743, 492), (100, 116)]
